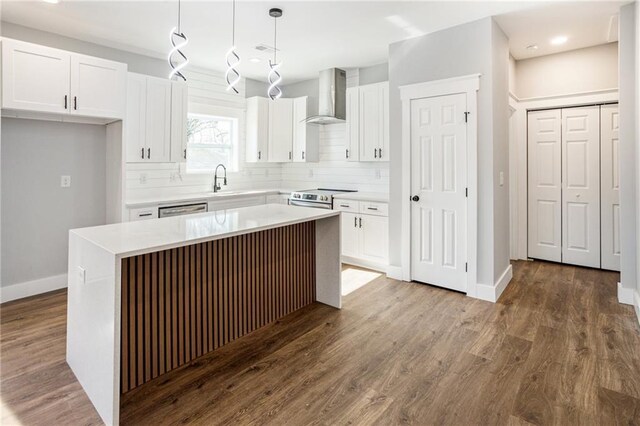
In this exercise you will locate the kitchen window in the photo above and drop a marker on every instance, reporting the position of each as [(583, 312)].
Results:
[(211, 140)]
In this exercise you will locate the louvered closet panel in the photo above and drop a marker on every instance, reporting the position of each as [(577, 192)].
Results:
[(181, 303)]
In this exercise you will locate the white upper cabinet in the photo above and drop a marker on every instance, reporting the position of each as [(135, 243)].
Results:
[(352, 148), (277, 131), (41, 79), (179, 111), (149, 128), (158, 120), (97, 87), (281, 130), (34, 78), (367, 133), (257, 130), (305, 136)]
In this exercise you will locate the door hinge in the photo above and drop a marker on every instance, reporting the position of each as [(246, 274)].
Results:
[(466, 192), (466, 116), (466, 266)]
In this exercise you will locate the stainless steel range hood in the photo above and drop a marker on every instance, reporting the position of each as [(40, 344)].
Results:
[(332, 97)]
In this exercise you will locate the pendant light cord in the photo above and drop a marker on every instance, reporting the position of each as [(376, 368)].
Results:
[(275, 39), (233, 24), (178, 16)]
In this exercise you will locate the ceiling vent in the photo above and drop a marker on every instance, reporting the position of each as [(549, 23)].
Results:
[(266, 48)]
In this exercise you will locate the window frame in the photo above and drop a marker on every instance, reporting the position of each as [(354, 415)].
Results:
[(213, 111)]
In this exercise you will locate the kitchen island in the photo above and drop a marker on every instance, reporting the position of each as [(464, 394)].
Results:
[(147, 297)]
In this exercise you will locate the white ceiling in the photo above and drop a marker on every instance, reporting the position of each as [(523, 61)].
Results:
[(312, 35)]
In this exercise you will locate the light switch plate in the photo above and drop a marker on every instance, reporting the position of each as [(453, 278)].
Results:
[(65, 181), (82, 275)]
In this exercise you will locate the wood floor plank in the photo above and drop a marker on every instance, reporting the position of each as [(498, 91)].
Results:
[(556, 349)]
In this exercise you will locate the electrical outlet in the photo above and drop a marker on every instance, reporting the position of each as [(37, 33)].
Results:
[(82, 275), (65, 181), (143, 178)]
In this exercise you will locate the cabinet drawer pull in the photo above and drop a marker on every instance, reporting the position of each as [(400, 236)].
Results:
[(345, 205), (142, 153), (145, 214), (372, 208)]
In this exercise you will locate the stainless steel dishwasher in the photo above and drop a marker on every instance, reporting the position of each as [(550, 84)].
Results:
[(169, 211)]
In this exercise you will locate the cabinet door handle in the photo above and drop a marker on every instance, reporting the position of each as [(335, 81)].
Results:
[(303, 155), (142, 153), (346, 153), (355, 222), (149, 153), (379, 152), (75, 102), (360, 222), (259, 155), (375, 153), (289, 155), (185, 153), (65, 101)]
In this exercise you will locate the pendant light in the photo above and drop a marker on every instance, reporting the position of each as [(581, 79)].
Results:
[(178, 41), (233, 60), (274, 77)]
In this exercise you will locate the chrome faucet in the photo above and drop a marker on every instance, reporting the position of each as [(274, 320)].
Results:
[(216, 186)]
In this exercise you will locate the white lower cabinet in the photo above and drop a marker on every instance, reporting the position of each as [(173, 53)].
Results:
[(365, 233)]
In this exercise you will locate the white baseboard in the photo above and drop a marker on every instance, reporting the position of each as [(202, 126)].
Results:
[(394, 272), (31, 288), (364, 264), (625, 295), (491, 293)]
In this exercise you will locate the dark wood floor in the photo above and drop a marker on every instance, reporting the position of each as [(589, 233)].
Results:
[(556, 349)]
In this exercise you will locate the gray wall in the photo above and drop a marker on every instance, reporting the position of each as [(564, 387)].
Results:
[(628, 146), (476, 47), (373, 74), (36, 212), (552, 75)]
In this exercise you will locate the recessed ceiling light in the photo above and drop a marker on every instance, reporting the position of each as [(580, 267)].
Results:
[(254, 60), (532, 47), (559, 40), (51, 1)]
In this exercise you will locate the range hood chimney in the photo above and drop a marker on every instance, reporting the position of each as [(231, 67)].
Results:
[(332, 97)]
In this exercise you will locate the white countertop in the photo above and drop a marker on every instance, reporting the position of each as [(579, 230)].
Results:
[(146, 236), (364, 196), (204, 196)]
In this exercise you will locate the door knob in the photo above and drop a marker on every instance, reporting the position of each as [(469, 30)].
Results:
[(415, 198)]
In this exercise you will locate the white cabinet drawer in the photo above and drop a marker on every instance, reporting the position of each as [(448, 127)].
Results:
[(346, 205), (374, 208), (143, 213)]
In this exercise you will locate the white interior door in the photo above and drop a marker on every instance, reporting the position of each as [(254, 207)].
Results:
[(610, 188), (544, 185), (438, 186), (581, 186)]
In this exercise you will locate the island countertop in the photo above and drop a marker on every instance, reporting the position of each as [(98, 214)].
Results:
[(134, 238)]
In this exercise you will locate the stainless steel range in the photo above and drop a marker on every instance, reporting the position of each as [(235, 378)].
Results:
[(319, 198)]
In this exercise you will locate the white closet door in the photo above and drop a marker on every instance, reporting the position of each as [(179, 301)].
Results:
[(581, 186), (610, 188), (545, 187), (438, 182)]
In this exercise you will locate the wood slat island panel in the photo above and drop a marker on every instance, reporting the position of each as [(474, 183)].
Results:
[(181, 303)]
